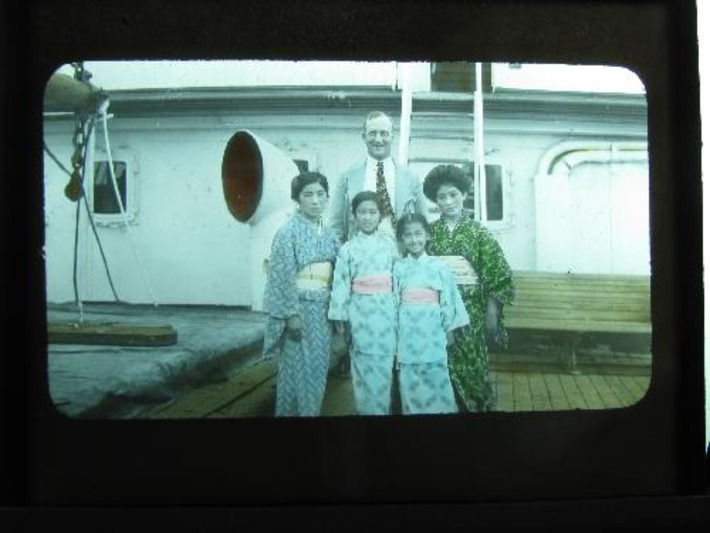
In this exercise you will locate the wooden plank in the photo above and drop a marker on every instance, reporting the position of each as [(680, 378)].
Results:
[(586, 326), (528, 301), (540, 394), (199, 403), (589, 392), (627, 395), (639, 384), (586, 303), (589, 289), (558, 398), (522, 397), (504, 387), (582, 316), (561, 276), (339, 399), (607, 395), (111, 333), (258, 402), (577, 300), (579, 306), (572, 391), (590, 285)]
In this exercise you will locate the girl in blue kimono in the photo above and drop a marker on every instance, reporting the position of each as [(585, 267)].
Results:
[(298, 333), (430, 309), (362, 297)]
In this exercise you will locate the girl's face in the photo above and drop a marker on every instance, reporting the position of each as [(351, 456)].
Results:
[(450, 201), (367, 216), (414, 238), (312, 200)]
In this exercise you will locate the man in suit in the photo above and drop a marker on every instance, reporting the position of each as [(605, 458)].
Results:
[(399, 190)]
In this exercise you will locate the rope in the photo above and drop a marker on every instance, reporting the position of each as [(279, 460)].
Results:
[(77, 299), (91, 220), (103, 114)]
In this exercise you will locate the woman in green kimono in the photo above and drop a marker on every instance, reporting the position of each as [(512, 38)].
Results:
[(485, 281)]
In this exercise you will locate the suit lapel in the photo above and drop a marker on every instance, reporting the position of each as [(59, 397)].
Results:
[(357, 181)]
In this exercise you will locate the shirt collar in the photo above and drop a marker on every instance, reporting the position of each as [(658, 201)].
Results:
[(372, 162)]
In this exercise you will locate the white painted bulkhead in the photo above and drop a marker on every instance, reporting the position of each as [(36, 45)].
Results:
[(194, 252)]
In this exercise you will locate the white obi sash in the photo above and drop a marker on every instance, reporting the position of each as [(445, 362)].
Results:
[(315, 276)]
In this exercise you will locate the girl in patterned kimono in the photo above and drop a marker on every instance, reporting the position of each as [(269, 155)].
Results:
[(362, 297), (485, 281), (298, 333), (430, 309)]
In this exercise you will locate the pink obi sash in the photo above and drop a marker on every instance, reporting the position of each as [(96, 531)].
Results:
[(420, 296), (372, 284)]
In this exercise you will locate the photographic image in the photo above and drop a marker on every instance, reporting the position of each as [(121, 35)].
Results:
[(167, 182)]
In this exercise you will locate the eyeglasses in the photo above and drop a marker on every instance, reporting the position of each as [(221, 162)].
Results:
[(373, 134)]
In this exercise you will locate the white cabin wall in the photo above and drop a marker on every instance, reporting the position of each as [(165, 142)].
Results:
[(519, 155), (187, 241), (193, 251), (59, 217)]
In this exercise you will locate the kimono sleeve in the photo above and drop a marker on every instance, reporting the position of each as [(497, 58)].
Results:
[(281, 300), (340, 293), (492, 267), (453, 311)]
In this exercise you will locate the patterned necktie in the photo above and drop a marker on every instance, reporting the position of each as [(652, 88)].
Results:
[(382, 194)]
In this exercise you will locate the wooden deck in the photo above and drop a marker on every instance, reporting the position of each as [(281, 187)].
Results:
[(252, 393)]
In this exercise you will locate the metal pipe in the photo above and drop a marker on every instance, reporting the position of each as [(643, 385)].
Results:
[(405, 118), (480, 162)]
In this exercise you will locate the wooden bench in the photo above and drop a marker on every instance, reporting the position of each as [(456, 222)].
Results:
[(570, 307)]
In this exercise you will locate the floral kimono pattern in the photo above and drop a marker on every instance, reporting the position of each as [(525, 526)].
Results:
[(468, 357), (302, 364), (429, 306), (362, 296)]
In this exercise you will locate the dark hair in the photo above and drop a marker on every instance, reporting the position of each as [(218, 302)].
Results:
[(363, 197), (412, 218), (445, 175), (306, 178)]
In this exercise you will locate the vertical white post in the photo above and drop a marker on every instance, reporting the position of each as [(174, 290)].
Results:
[(405, 120), (88, 185), (482, 212)]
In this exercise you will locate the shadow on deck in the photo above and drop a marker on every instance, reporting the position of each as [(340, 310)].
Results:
[(251, 393)]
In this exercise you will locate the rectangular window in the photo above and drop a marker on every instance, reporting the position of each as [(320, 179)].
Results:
[(498, 213), (104, 193), (459, 77), (494, 192)]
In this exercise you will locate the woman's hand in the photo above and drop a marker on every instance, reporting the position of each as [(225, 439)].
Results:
[(340, 327), (293, 327)]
